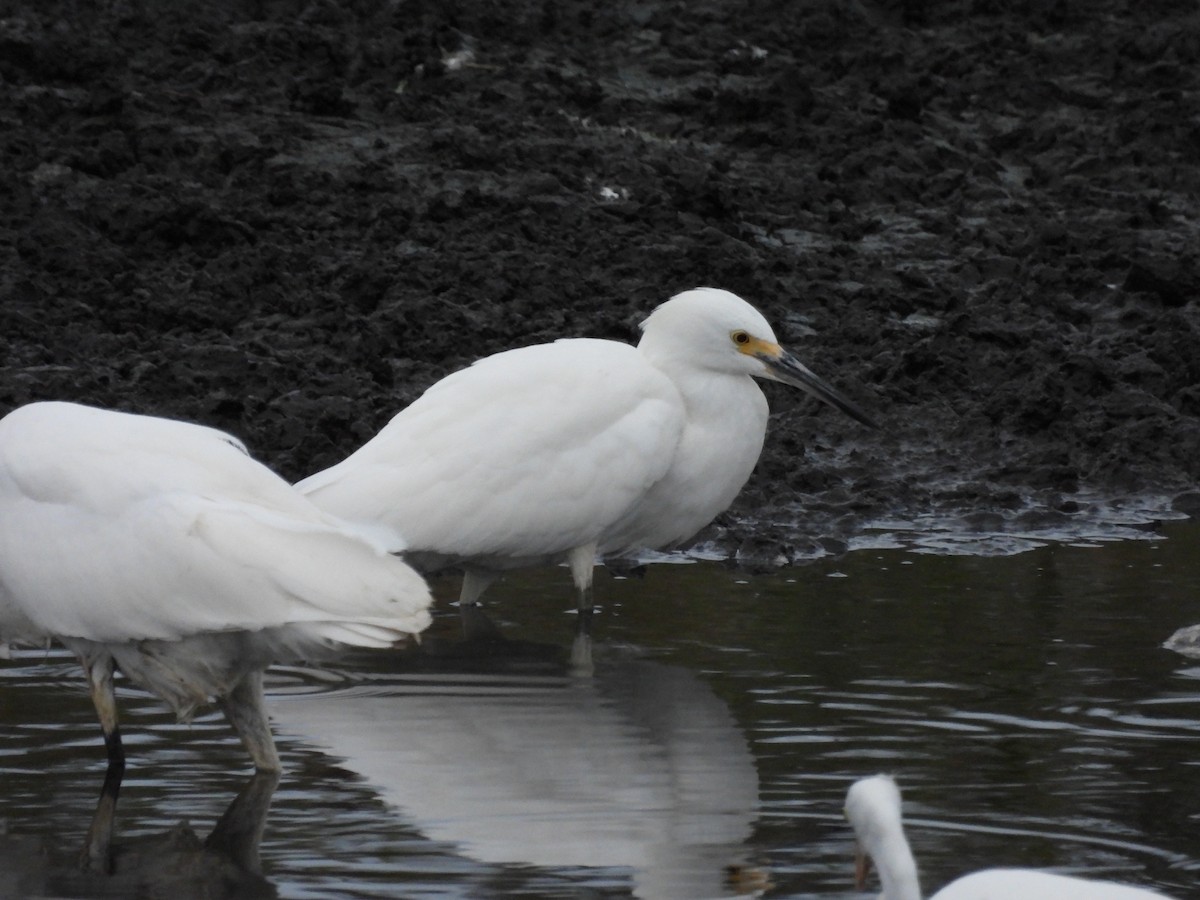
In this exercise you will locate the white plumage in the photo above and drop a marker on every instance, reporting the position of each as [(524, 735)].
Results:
[(579, 447), (873, 809), (1185, 641), (163, 548)]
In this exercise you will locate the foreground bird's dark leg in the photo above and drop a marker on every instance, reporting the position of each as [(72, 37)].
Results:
[(244, 708), (239, 831), (98, 667), (96, 856), (99, 671)]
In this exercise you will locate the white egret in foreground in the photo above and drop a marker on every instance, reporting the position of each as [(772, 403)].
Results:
[(873, 808), (162, 549), (581, 447)]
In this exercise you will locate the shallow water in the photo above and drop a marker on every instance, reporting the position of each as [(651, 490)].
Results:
[(1023, 702)]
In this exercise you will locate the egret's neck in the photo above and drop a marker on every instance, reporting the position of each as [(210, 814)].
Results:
[(726, 420), (897, 868), (723, 424), (679, 361)]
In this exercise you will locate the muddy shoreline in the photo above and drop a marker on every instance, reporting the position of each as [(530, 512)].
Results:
[(978, 219)]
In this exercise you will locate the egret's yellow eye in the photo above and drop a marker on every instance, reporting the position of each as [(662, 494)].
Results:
[(740, 337)]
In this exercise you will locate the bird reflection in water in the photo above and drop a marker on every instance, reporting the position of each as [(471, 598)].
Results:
[(497, 748), (176, 863)]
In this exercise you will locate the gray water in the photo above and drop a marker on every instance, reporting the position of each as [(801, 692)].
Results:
[(1022, 701)]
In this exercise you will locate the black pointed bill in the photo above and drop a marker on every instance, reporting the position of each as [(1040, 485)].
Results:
[(862, 867), (782, 366)]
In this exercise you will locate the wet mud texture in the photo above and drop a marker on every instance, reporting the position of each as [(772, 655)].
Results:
[(286, 219)]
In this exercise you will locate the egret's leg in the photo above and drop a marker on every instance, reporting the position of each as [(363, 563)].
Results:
[(474, 583), (97, 849), (99, 671), (238, 832), (244, 708), (476, 626), (583, 564), (98, 666)]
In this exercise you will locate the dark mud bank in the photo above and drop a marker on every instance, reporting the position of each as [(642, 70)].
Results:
[(978, 218)]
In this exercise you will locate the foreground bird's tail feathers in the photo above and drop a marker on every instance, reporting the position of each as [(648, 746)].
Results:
[(362, 633), (330, 580)]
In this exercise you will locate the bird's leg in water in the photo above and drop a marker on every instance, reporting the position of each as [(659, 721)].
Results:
[(99, 671), (244, 708), (239, 831), (96, 856), (474, 583), (583, 564)]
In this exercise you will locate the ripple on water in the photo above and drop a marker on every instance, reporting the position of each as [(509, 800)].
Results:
[(1024, 703)]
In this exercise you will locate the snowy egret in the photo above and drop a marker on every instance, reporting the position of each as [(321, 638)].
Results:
[(162, 549), (1185, 641), (873, 808), (575, 448)]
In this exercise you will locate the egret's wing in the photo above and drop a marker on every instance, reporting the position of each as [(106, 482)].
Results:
[(116, 527), (526, 453)]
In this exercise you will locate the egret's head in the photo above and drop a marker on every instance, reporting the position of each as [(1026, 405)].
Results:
[(873, 811), (714, 329), (873, 805)]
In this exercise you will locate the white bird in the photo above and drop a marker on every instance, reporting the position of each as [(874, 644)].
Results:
[(1185, 641), (873, 808), (580, 447), (162, 549)]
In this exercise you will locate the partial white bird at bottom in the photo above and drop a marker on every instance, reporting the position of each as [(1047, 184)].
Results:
[(873, 809), (1185, 642)]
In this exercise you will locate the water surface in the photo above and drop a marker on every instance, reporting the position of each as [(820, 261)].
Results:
[(1023, 702)]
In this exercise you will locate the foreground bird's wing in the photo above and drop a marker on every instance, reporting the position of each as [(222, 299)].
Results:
[(118, 527), (527, 453)]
